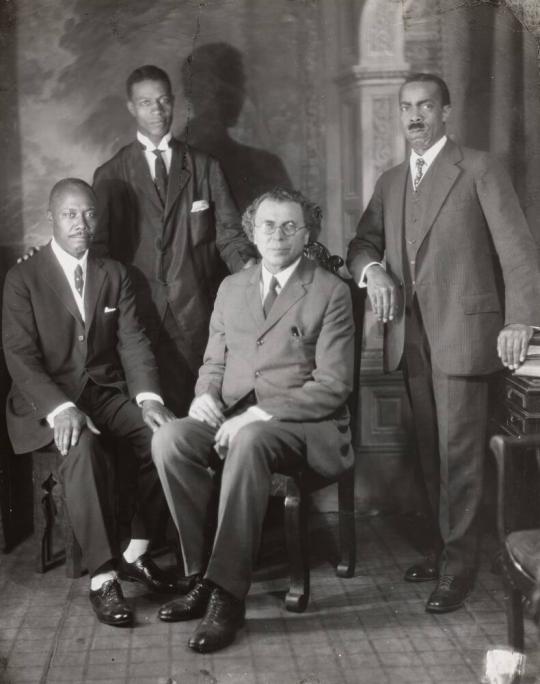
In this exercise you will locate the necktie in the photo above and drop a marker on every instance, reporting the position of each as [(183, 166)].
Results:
[(270, 296), (160, 179), (79, 281), (419, 172)]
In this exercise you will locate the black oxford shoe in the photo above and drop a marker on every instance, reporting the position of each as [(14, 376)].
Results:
[(449, 594), (224, 617), (192, 605), (110, 605), (425, 571), (144, 570)]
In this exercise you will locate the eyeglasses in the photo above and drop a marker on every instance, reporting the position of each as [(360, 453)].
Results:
[(288, 228)]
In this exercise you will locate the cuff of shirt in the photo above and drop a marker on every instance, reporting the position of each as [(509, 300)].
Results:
[(261, 415), (362, 282), (148, 396), (52, 415)]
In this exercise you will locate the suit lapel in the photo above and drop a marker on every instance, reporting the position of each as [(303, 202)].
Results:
[(141, 176), (179, 174), (253, 297), (445, 173), (95, 277), (293, 291), (396, 205), (56, 280)]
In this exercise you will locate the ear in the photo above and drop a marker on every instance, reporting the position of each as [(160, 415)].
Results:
[(49, 216), (131, 107), (446, 111)]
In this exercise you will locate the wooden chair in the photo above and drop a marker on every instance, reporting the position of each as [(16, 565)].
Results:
[(295, 489), (518, 463), (52, 528)]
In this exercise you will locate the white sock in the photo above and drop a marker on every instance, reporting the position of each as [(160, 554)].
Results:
[(136, 548), (99, 580)]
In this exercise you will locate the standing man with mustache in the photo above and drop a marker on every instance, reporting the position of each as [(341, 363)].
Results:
[(449, 224), (166, 210)]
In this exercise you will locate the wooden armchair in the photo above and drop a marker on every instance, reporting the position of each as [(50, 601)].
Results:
[(295, 489), (518, 464)]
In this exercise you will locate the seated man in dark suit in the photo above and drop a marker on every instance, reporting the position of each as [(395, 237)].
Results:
[(75, 349), (270, 397)]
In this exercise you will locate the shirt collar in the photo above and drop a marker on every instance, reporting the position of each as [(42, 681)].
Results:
[(282, 277), (67, 261), (430, 154), (164, 143)]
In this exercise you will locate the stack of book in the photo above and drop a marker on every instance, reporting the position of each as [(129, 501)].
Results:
[(531, 365)]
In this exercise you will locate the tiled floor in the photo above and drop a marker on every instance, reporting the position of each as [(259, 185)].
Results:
[(368, 629)]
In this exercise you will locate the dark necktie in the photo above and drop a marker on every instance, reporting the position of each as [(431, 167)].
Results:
[(160, 179), (79, 281), (270, 296), (419, 172)]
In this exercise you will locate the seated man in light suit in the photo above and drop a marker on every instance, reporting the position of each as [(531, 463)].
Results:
[(270, 397), (74, 349)]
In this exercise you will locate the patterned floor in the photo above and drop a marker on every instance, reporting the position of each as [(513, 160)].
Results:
[(369, 629)]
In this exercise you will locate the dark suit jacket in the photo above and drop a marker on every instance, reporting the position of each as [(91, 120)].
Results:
[(51, 354), (178, 256), (299, 360), (473, 228)]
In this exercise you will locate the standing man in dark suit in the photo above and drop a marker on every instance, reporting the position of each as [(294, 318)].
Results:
[(77, 353), (165, 209), (270, 396), (449, 223)]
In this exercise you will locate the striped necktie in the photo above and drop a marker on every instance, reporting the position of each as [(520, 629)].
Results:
[(160, 179)]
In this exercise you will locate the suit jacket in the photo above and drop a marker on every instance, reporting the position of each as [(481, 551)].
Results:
[(472, 230), (177, 256), (51, 354), (299, 360)]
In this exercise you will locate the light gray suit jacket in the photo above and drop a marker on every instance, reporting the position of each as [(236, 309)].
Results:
[(472, 230), (299, 360)]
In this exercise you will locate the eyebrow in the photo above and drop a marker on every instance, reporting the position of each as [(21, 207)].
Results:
[(428, 99)]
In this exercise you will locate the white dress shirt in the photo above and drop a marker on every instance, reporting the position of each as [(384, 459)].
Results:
[(282, 277), (68, 264), (429, 157), (149, 148)]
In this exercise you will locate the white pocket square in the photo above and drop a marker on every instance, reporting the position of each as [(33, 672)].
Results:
[(199, 205), (109, 309)]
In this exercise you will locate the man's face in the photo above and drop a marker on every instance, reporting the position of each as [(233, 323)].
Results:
[(277, 249), (73, 216), (151, 104), (423, 116)]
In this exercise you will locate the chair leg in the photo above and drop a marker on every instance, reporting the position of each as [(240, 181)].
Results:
[(296, 533), (347, 527), (514, 617)]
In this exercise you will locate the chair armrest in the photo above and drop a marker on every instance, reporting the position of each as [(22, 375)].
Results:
[(517, 460)]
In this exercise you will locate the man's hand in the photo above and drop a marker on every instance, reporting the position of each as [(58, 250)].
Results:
[(230, 428), (27, 255), (207, 409), (250, 262), (155, 414), (512, 344), (382, 293), (68, 425)]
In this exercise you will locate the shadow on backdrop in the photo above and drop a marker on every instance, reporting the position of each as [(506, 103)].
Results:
[(214, 81)]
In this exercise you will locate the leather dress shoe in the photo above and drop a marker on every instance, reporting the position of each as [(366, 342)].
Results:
[(144, 570), (224, 617), (425, 571), (449, 594), (110, 605), (192, 605)]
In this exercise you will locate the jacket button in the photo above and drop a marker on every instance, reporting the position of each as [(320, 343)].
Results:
[(259, 342), (81, 338), (257, 374)]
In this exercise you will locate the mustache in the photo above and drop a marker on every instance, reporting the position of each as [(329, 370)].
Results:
[(417, 126)]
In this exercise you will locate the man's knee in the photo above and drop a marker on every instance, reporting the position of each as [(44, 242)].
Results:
[(252, 446), (169, 441)]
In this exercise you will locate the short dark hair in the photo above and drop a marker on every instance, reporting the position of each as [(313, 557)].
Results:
[(311, 211), (64, 185), (148, 72), (429, 78)]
